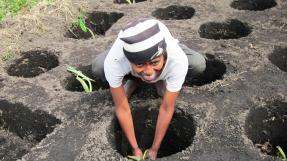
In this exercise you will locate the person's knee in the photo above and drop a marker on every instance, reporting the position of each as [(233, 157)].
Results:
[(197, 63), (98, 66)]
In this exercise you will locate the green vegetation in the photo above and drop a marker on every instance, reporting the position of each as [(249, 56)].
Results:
[(281, 153), (8, 56), (84, 28), (139, 158), (129, 1), (12, 7), (82, 79)]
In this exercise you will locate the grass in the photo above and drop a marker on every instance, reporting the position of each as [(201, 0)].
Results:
[(8, 56), (34, 16), (12, 7)]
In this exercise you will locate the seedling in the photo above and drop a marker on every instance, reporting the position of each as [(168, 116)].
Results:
[(281, 153), (84, 28), (131, 2), (139, 158), (82, 79)]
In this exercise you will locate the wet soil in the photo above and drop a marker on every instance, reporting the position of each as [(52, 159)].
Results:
[(235, 110)]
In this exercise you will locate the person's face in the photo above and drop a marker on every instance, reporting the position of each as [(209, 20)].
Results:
[(150, 70)]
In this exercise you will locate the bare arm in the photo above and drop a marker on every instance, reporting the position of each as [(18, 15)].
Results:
[(164, 117), (124, 116)]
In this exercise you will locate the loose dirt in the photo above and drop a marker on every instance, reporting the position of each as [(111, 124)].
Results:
[(236, 110)]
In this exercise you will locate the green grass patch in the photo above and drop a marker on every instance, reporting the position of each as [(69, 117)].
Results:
[(12, 7)]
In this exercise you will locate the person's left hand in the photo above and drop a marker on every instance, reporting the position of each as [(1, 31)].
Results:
[(152, 154)]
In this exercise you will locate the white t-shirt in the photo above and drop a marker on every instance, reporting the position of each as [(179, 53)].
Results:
[(116, 65)]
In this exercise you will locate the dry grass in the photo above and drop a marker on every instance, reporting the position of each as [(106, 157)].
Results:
[(227, 81), (36, 21)]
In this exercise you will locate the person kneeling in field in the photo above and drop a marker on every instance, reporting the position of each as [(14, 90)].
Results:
[(145, 49)]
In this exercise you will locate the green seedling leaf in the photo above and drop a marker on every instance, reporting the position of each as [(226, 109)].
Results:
[(139, 158), (84, 84), (82, 25), (145, 154), (134, 158), (281, 153), (129, 1), (82, 79)]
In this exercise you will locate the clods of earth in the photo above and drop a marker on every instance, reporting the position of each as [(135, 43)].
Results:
[(235, 110)]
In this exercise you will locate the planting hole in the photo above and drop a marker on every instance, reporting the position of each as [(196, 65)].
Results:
[(253, 5), (97, 22), (179, 135), (231, 29), (279, 58), (33, 63), (174, 13), (21, 129), (215, 70), (144, 90), (72, 84), (267, 127), (125, 1)]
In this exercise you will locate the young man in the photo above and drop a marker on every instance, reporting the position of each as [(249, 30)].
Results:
[(146, 50)]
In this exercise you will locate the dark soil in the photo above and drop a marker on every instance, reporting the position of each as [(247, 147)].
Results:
[(254, 5), (268, 125), (179, 135), (279, 58), (215, 70), (174, 13), (72, 84), (97, 22), (234, 111), (231, 29), (33, 63), (22, 128)]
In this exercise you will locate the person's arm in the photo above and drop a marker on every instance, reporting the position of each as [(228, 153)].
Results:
[(164, 117), (124, 116)]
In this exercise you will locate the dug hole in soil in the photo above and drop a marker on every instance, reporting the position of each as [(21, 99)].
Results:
[(245, 59), (21, 129)]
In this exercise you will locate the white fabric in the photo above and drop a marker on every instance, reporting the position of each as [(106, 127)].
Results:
[(116, 65), (142, 26), (143, 45)]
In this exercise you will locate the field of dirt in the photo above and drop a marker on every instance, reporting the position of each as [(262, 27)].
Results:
[(236, 110)]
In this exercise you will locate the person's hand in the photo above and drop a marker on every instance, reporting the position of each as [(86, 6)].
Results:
[(152, 154), (137, 152)]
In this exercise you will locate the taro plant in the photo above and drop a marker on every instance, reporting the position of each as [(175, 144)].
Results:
[(83, 79), (131, 2), (139, 158), (281, 153), (84, 28)]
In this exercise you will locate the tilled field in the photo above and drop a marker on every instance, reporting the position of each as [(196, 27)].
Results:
[(236, 110)]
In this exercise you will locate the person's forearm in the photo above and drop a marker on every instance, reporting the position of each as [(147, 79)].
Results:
[(126, 122), (163, 121), (124, 116)]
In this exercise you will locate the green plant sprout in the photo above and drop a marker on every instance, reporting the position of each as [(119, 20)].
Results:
[(281, 153), (82, 79), (84, 28), (8, 56), (129, 1), (139, 158)]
